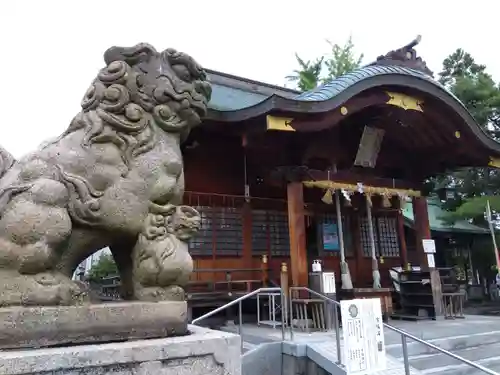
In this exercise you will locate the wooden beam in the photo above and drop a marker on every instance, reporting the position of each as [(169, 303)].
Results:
[(423, 231), (297, 232), (330, 119)]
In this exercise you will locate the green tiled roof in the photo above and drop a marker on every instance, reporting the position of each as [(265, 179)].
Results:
[(435, 212), (339, 84), (232, 93), (227, 98), (230, 99)]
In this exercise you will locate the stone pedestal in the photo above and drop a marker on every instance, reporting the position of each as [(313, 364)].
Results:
[(202, 352), (37, 327)]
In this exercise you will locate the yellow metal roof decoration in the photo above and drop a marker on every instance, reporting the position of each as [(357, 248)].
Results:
[(404, 101), (494, 162), (366, 189), (283, 124)]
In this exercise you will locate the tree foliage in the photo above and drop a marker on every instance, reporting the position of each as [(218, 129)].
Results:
[(307, 76), (342, 60), (103, 268), (480, 94), (338, 61)]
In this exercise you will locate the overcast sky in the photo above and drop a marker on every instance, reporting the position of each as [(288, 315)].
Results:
[(51, 50)]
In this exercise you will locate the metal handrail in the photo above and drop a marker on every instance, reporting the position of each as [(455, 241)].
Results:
[(404, 336), (335, 316), (240, 312)]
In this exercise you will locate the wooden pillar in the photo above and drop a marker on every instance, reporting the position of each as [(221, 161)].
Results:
[(423, 231), (402, 240), (422, 228), (358, 249), (297, 232), (264, 265), (246, 213)]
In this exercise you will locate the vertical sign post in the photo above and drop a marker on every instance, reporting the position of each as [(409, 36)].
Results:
[(429, 249), (364, 345), (492, 231)]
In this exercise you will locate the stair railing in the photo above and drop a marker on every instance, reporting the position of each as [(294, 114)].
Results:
[(404, 336), (239, 301), (324, 298)]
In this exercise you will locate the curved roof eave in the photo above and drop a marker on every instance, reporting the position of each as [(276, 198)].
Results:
[(333, 94)]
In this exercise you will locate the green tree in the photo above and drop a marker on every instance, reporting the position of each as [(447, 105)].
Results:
[(476, 89), (459, 64), (338, 61), (103, 268), (480, 94), (342, 60), (307, 77)]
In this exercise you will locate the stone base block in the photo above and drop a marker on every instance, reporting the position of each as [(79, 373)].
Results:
[(202, 352), (36, 327)]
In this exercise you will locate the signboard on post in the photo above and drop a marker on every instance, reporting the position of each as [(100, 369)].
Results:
[(429, 246), (489, 217), (364, 346)]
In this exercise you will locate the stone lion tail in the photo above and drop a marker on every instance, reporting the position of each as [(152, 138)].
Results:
[(6, 161)]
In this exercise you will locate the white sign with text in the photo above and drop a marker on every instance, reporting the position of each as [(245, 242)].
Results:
[(364, 346), (430, 261), (329, 283), (429, 246)]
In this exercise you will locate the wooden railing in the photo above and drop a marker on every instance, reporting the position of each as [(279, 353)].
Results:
[(230, 283)]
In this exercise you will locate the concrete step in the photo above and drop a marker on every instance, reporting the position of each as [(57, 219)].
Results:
[(247, 346), (451, 344), (439, 363), (492, 363)]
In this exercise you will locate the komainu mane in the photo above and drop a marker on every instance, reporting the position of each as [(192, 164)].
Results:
[(113, 178)]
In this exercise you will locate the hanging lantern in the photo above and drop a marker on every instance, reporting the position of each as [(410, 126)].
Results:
[(386, 201), (328, 197)]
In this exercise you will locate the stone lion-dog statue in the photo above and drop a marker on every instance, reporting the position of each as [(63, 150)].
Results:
[(113, 178)]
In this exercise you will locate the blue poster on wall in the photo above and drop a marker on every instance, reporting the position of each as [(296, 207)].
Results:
[(330, 237)]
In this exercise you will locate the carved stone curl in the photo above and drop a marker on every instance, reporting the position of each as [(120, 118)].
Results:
[(113, 178)]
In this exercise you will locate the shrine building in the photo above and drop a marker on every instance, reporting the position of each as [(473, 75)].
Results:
[(288, 178)]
